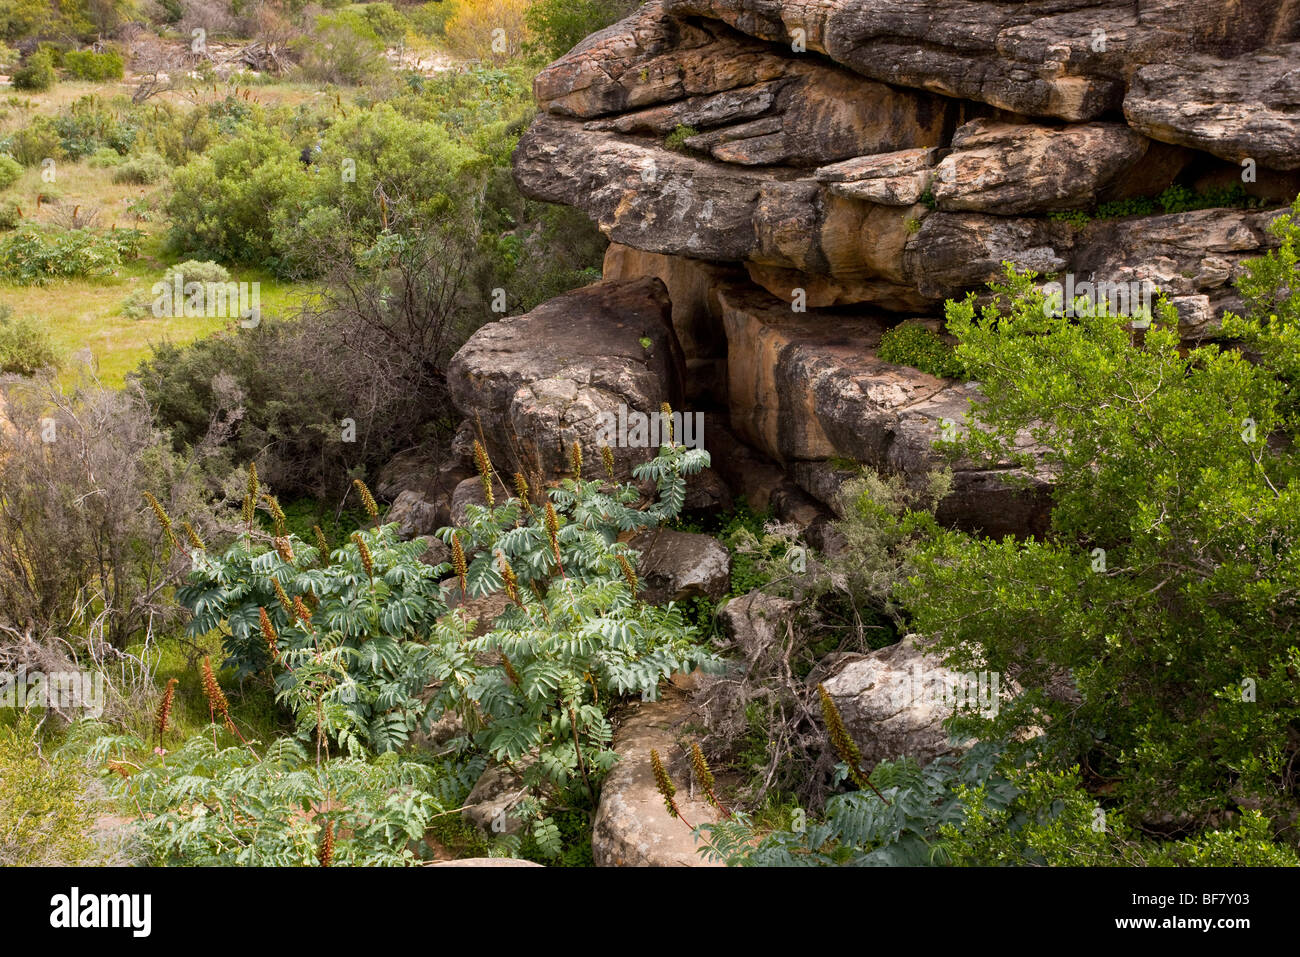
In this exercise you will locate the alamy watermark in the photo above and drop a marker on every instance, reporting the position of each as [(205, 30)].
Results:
[(175, 298), (971, 691), (628, 428), (1088, 298), (61, 690)]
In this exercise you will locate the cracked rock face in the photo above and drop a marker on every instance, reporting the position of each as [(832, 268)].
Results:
[(809, 387), (825, 166)]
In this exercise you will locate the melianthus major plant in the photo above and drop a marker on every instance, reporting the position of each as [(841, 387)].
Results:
[(366, 643)]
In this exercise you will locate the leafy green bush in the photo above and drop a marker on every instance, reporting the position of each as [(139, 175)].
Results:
[(10, 215), (273, 809), (139, 304), (912, 344), (81, 129), (342, 48), (561, 25), (25, 345), (33, 255), (36, 75), (143, 170), (676, 140), (43, 819), (36, 141), (231, 203), (1163, 580), (386, 21), (10, 170), (90, 124), (430, 19), (96, 67), (356, 636), (105, 158), (979, 810)]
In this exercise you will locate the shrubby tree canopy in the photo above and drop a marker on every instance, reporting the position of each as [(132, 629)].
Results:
[(1165, 591)]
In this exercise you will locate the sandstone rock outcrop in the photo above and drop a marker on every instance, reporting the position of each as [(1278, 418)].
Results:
[(801, 175), (810, 387), (632, 826), (537, 383), (847, 204)]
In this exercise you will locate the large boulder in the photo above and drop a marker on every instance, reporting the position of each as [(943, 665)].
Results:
[(894, 701), (1238, 109), (497, 792), (539, 382), (633, 827), (677, 565), (753, 623)]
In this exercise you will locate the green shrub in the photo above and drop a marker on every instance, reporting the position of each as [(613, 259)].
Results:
[(25, 345), (377, 809), (342, 48), (676, 140), (561, 25), (372, 628), (430, 19), (143, 170), (90, 124), (35, 142), (34, 256), (980, 810), (10, 215), (139, 304), (96, 67), (10, 170), (226, 204), (36, 75), (1163, 581), (386, 21), (105, 158), (44, 819), (912, 344)]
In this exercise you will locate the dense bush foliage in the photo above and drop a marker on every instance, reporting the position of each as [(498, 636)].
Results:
[(979, 811), (36, 74), (34, 256), (10, 170), (354, 635), (560, 25), (25, 346), (92, 66), (44, 820), (1163, 587), (912, 344), (212, 804)]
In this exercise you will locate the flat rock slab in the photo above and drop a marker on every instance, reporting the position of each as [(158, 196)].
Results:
[(633, 827)]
